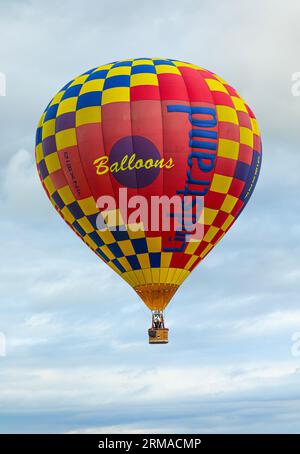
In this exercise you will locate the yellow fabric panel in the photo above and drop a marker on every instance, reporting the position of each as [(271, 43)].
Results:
[(124, 262), (228, 222), (103, 67), (239, 104), (126, 247), (66, 195), (90, 242), (68, 216), (154, 244), (209, 215), (120, 94), (67, 105), (165, 259), (131, 278), (143, 62), (79, 80), (255, 126), (88, 205), (167, 69), (148, 275), (106, 236), (191, 247), (49, 185), (215, 85), (163, 275), (143, 79), (206, 250), (48, 129), (134, 232), (220, 79), (185, 65), (182, 276), (210, 233), (143, 260), (92, 85), (111, 265), (219, 239), (226, 113), (246, 136), (39, 155), (191, 262), (170, 275), (57, 98), (119, 71), (86, 225), (107, 252), (229, 203)]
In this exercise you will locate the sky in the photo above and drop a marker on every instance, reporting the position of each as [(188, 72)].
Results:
[(74, 356)]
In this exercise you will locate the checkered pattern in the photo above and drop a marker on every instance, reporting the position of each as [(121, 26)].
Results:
[(138, 255)]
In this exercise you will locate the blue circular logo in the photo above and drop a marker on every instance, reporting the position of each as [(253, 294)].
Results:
[(134, 161)]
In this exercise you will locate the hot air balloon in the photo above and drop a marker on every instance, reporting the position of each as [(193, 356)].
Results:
[(144, 129)]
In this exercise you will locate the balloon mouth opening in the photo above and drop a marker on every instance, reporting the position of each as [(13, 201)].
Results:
[(156, 296)]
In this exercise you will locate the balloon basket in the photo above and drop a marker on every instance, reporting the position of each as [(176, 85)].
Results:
[(158, 335)]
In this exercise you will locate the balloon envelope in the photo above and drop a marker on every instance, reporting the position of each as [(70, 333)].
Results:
[(155, 127)]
